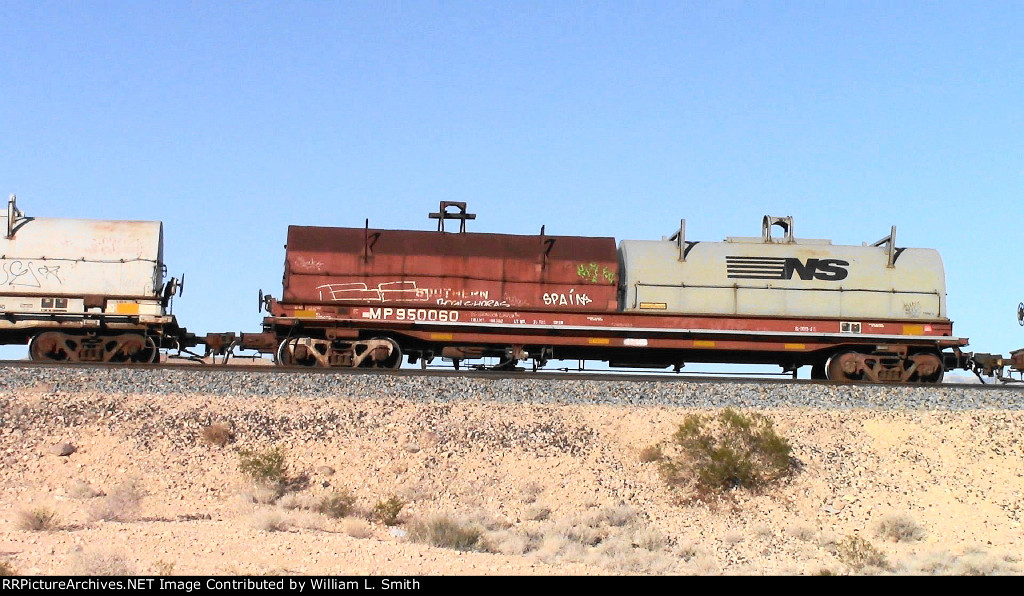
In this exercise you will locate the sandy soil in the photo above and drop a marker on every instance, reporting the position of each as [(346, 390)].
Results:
[(551, 489)]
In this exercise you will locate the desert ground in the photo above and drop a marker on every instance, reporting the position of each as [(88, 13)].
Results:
[(141, 484)]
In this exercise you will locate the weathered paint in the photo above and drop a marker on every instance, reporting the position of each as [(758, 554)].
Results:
[(73, 257), (401, 268), (752, 278)]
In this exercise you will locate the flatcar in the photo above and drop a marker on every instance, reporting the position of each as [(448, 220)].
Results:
[(86, 291), (369, 297)]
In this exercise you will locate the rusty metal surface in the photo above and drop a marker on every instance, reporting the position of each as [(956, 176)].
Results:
[(413, 268), (1017, 360)]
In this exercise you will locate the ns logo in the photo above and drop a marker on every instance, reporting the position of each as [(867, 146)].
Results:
[(786, 268)]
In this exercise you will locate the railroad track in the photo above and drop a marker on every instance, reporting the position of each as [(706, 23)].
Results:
[(447, 372)]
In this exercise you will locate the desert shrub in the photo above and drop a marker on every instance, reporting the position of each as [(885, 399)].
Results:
[(6, 570), (217, 434), (267, 470), (338, 504), (858, 553), (898, 527), (387, 511), (651, 453), (268, 466), (446, 532), (731, 450), (38, 519), (121, 504)]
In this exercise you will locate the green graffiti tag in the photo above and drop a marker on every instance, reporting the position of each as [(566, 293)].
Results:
[(593, 273)]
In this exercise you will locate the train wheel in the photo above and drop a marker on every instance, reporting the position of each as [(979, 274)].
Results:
[(302, 351), (379, 352), (52, 346), (927, 368), (844, 368), (149, 354), (120, 348), (285, 354), (61, 347)]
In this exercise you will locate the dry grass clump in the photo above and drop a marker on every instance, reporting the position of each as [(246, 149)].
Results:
[(898, 527), (79, 489), (100, 563), (387, 511), (801, 532), (612, 538), (980, 563), (6, 570), (859, 554), (121, 504), (619, 515), (37, 519), (530, 491), (217, 435), (690, 550), (307, 520), (270, 521), (357, 528), (536, 512), (970, 563), (729, 451), (163, 568), (633, 553), (651, 453), (338, 504), (292, 501), (447, 532)]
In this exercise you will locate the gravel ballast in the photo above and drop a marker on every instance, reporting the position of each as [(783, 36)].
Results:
[(697, 394)]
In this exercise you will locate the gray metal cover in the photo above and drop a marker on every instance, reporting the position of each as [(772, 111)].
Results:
[(755, 278), (77, 257)]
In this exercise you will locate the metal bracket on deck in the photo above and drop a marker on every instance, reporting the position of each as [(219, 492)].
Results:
[(14, 215), (786, 223), (890, 243), (443, 214)]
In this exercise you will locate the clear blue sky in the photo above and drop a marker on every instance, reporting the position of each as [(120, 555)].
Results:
[(229, 121)]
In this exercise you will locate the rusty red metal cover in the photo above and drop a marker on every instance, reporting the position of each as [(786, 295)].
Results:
[(413, 268)]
